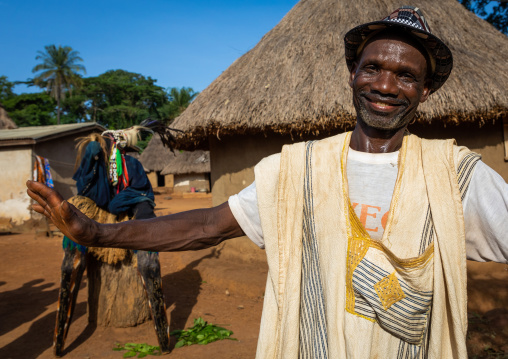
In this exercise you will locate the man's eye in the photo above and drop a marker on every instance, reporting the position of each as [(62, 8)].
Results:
[(369, 68), (407, 76)]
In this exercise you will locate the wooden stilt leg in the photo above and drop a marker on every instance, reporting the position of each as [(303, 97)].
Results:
[(149, 270), (73, 266)]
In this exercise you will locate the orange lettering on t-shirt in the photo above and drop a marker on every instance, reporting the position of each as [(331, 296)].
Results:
[(354, 205), (363, 216), (384, 219)]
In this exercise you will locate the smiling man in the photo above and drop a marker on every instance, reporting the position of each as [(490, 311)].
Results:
[(367, 232), (389, 81)]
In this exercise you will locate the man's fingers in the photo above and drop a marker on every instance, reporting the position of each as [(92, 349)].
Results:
[(35, 196), (49, 202), (63, 214), (34, 185), (34, 191), (41, 205), (39, 209), (45, 193)]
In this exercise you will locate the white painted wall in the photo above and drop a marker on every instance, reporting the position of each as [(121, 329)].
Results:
[(184, 182), (15, 170)]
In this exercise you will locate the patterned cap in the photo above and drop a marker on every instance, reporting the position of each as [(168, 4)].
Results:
[(408, 19)]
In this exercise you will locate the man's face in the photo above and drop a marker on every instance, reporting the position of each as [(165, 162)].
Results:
[(388, 82)]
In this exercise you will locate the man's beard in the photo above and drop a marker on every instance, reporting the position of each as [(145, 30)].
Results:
[(380, 121)]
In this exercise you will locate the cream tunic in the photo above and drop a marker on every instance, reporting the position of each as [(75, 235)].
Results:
[(365, 297)]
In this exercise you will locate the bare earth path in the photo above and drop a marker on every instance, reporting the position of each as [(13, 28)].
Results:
[(203, 283)]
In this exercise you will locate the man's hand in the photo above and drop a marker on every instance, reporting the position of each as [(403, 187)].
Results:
[(191, 230), (64, 215)]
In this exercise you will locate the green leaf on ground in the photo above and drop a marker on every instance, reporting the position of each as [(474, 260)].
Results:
[(139, 350), (201, 333)]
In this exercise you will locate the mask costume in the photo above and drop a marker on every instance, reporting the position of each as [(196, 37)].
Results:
[(112, 187)]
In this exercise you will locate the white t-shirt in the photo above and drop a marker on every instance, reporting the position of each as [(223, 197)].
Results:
[(371, 180)]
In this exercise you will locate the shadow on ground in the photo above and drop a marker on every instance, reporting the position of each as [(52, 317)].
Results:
[(181, 290), (25, 303), (25, 347)]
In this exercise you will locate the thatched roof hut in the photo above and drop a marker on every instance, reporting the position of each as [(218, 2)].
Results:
[(155, 156), (188, 162), (294, 81), (6, 123), (293, 86)]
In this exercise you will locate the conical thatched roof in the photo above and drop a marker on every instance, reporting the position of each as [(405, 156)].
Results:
[(295, 79), (188, 162), (5, 121), (155, 156)]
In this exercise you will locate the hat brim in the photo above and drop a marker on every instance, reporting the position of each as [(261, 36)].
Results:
[(441, 54)]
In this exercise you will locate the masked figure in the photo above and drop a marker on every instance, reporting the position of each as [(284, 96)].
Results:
[(112, 187)]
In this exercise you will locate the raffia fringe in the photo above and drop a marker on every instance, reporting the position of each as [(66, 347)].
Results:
[(90, 209)]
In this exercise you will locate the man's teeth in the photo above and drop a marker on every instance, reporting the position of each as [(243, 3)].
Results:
[(381, 104)]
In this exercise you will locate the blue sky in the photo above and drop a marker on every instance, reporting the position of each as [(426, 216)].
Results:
[(179, 43)]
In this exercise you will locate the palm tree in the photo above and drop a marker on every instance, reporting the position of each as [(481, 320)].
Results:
[(59, 71), (181, 98)]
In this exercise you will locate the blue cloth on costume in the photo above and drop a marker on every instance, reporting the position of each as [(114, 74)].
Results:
[(92, 176), (139, 188), (92, 182)]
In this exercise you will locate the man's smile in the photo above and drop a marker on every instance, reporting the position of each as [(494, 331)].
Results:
[(379, 104)]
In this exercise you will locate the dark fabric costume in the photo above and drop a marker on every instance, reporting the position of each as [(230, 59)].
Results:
[(138, 191), (137, 201), (92, 182), (92, 176)]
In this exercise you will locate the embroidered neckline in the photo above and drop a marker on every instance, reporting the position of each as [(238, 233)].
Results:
[(359, 240)]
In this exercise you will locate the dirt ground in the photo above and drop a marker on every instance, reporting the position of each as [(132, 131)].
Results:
[(196, 284)]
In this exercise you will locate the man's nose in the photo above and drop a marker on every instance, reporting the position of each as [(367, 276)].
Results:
[(386, 83)]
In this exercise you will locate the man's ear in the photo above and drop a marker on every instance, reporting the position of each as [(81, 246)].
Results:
[(352, 74), (426, 90)]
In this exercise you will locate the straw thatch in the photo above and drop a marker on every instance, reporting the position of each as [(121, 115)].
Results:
[(155, 156), (6, 123), (186, 162), (91, 210), (295, 79)]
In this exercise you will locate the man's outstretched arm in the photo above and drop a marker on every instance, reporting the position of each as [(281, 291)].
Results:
[(192, 230)]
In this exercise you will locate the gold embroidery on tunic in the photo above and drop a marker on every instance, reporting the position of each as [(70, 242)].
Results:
[(359, 240), (357, 248), (389, 291)]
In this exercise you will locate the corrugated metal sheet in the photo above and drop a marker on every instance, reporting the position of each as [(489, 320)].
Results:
[(34, 134)]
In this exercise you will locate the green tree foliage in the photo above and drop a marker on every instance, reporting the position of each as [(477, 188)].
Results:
[(31, 109), (58, 72), (6, 88), (117, 99), (179, 100), (495, 12)]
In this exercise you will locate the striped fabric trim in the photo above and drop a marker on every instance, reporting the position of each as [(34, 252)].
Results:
[(313, 329), (465, 172), (412, 351), (405, 319), (428, 233)]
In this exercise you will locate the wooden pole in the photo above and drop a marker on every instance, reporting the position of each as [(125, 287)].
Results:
[(116, 296)]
